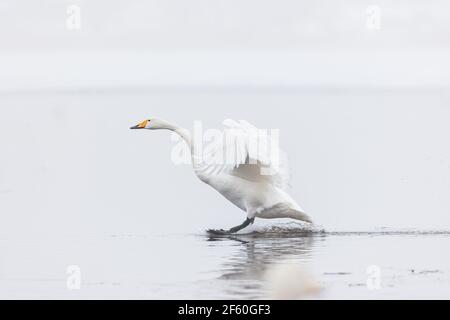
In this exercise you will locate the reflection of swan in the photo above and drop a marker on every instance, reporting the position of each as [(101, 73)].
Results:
[(256, 255), (252, 178)]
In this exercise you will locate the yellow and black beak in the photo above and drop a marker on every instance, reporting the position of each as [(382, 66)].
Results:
[(141, 125)]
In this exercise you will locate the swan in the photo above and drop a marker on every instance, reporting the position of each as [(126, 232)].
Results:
[(250, 178)]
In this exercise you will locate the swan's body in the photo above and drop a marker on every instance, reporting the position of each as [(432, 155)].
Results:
[(249, 178), (258, 199)]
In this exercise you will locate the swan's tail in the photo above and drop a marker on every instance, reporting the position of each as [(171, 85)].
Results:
[(297, 215), (300, 215), (283, 210)]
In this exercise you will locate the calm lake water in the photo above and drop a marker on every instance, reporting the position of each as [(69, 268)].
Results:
[(411, 264), (70, 165)]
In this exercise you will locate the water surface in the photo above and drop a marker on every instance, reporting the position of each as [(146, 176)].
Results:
[(413, 264)]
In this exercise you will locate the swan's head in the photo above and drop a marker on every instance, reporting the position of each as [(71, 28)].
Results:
[(151, 124)]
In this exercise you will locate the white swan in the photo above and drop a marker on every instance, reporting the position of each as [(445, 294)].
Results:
[(250, 178)]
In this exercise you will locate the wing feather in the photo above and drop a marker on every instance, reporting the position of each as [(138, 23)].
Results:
[(244, 150)]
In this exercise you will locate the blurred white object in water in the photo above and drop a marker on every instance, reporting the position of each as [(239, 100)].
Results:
[(290, 281)]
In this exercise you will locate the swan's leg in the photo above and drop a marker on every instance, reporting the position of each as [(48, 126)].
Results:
[(242, 226), (234, 229)]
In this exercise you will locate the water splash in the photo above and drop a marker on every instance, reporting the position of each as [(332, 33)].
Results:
[(283, 227)]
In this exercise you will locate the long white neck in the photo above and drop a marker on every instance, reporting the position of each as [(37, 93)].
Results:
[(182, 132), (187, 137)]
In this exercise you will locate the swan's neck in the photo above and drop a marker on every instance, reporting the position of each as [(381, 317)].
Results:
[(185, 134), (182, 132), (196, 153)]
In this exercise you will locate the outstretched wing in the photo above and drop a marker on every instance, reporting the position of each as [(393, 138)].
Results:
[(248, 152)]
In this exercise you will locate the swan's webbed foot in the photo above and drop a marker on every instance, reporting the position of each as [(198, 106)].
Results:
[(221, 232), (218, 232)]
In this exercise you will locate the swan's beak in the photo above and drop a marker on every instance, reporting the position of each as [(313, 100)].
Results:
[(141, 125)]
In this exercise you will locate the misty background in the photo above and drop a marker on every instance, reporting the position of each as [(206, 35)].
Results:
[(363, 109)]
